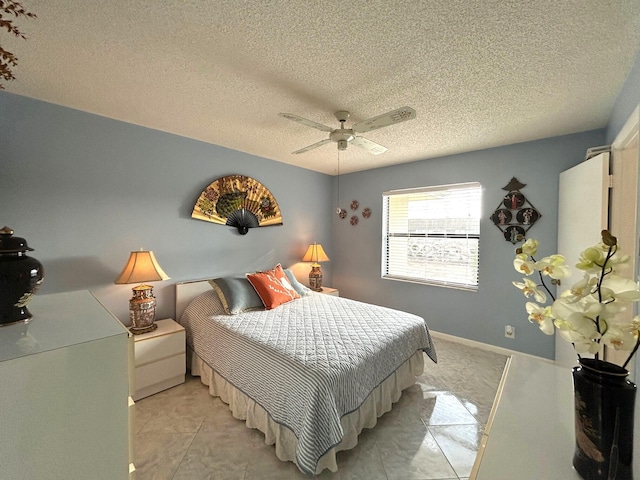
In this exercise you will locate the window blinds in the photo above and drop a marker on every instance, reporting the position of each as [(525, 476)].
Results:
[(432, 234)]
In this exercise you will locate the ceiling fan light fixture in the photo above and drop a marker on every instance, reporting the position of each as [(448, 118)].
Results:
[(342, 144), (342, 134)]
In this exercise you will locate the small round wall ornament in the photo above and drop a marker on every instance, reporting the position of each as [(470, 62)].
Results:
[(366, 213), (354, 204), (342, 213), (354, 220)]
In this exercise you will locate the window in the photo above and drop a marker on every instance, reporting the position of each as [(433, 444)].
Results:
[(432, 235)]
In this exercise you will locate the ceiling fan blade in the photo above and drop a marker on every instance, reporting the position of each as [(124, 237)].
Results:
[(395, 116), (368, 145), (311, 147), (304, 121)]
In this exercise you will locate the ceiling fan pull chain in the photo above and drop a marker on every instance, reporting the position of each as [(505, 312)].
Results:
[(338, 209)]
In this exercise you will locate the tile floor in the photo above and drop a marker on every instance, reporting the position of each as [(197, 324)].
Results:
[(432, 433)]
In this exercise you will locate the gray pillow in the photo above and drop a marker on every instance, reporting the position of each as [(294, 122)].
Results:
[(297, 286), (236, 295)]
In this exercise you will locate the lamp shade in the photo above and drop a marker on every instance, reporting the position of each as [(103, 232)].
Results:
[(142, 266), (315, 253)]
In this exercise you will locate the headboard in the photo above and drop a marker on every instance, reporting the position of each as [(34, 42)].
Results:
[(187, 291)]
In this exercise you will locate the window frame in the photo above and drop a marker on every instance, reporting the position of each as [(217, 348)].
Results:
[(459, 284)]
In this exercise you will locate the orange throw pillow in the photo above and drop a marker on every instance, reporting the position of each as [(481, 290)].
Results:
[(273, 287)]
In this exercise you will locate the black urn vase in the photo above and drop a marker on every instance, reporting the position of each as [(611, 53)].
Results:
[(604, 408), (20, 277)]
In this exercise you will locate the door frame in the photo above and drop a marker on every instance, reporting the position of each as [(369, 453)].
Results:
[(626, 139), (626, 148)]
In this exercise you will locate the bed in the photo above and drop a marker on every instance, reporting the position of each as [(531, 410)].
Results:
[(310, 374)]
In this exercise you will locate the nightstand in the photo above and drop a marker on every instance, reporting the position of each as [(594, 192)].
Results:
[(160, 359), (330, 291)]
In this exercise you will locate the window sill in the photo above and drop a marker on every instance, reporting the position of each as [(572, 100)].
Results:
[(453, 286)]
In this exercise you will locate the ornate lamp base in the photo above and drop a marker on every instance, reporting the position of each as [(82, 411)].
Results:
[(142, 310), (315, 278)]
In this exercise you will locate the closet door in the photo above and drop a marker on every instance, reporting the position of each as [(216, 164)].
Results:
[(623, 211), (582, 215)]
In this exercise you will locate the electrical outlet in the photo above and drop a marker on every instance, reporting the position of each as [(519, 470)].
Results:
[(509, 331)]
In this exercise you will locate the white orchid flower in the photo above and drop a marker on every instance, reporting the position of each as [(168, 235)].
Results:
[(619, 288), (580, 289), (554, 266), (593, 309), (581, 331), (529, 288), (617, 261), (523, 264), (584, 345), (634, 327), (619, 338), (530, 247), (592, 258), (542, 316), (562, 308)]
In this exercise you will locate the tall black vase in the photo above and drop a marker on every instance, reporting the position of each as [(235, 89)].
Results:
[(604, 406)]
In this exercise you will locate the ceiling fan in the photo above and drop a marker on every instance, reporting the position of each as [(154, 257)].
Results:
[(343, 136)]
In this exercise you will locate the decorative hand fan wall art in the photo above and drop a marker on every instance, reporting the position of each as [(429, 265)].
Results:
[(238, 201)]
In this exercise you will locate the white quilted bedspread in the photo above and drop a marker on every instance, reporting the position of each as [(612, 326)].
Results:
[(307, 362)]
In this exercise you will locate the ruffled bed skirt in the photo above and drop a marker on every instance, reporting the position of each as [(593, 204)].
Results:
[(375, 405)]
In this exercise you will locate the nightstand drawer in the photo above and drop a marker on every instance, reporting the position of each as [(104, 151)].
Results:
[(160, 358), (157, 372), (156, 348)]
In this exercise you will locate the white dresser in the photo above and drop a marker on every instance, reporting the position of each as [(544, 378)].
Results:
[(530, 433), (64, 393)]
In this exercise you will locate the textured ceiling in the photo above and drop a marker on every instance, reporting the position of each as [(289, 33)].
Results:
[(479, 73)]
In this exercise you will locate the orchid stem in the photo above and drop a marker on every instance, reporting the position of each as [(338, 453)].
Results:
[(633, 352), (545, 287), (543, 283)]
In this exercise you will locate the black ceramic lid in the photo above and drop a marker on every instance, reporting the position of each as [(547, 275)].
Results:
[(11, 244)]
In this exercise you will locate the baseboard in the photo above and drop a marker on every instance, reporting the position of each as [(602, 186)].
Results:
[(486, 346)]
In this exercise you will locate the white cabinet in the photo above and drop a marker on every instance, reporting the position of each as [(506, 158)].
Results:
[(160, 360), (64, 392), (530, 433), (330, 291)]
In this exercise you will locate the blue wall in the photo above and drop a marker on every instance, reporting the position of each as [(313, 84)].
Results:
[(85, 190), (626, 102), (481, 315)]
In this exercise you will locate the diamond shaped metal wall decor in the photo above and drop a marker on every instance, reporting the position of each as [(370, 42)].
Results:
[(515, 215)]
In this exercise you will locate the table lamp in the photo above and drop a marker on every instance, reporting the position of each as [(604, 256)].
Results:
[(315, 253), (141, 267)]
